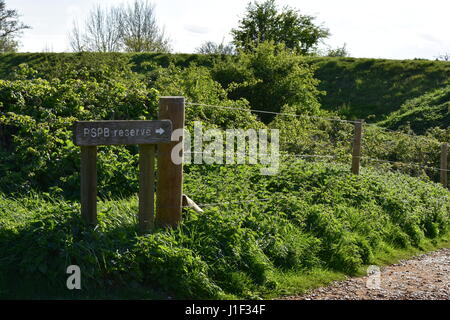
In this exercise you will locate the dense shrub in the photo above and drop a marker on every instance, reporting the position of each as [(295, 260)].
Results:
[(356, 87), (327, 136), (269, 78), (315, 216), (36, 119), (197, 86)]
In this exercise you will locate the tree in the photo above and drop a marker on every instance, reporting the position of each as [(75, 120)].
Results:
[(444, 57), (10, 28), (338, 52), (76, 38), (264, 22), (131, 28), (102, 31), (140, 31), (210, 47)]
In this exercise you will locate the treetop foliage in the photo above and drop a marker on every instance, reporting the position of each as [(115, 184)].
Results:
[(264, 22), (210, 47), (269, 77)]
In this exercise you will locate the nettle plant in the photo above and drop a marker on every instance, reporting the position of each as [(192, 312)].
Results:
[(36, 117)]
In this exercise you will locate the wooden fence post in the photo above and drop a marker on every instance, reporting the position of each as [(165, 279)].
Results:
[(444, 161), (146, 187), (356, 156), (89, 184), (170, 175)]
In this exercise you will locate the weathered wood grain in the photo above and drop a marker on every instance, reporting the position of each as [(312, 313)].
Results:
[(146, 187), (170, 175), (89, 184)]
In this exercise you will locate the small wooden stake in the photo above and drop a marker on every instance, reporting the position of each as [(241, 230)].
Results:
[(356, 156), (444, 161), (170, 175), (146, 187), (89, 184), (188, 202)]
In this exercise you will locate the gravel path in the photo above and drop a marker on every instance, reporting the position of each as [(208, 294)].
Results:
[(425, 277)]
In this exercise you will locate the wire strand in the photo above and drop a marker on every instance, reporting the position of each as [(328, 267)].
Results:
[(271, 112), (405, 163), (323, 156), (309, 117), (231, 202), (265, 154)]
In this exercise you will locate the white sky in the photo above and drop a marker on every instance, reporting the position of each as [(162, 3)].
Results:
[(396, 29)]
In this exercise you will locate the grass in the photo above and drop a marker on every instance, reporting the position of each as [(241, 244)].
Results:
[(371, 89), (427, 111), (394, 255), (293, 283), (320, 224), (290, 283)]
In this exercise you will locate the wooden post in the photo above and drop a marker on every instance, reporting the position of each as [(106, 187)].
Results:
[(356, 156), (146, 187), (89, 184), (170, 175), (444, 161)]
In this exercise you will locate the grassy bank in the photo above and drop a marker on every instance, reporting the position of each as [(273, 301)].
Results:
[(355, 87), (427, 111)]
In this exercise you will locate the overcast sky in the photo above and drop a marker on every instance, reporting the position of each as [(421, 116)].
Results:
[(396, 29)]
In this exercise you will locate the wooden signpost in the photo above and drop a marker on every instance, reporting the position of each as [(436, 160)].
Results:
[(146, 133)]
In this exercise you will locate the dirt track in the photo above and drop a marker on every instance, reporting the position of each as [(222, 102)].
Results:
[(425, 277)]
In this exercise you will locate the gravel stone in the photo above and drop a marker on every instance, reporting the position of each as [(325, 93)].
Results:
[(425, 277)]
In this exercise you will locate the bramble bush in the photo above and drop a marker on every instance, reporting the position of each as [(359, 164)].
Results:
[(196, 84), (36, 119), (405, 152)]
